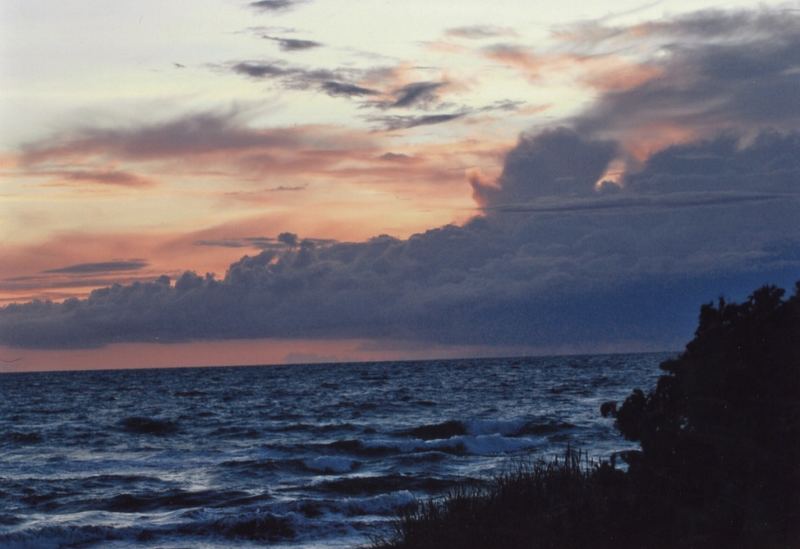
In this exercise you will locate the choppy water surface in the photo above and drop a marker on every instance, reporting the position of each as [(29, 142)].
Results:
[(296, 456)]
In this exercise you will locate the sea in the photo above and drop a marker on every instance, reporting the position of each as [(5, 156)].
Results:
[(295, 456)]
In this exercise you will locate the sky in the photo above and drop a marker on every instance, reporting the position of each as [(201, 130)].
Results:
[(247, 182)]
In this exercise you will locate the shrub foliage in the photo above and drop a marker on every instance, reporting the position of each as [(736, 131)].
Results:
[(720, 433)]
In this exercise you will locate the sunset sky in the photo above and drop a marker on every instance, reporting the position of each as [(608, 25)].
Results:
[(369, 180)]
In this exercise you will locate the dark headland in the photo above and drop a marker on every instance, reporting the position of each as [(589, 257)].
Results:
[(718, 464)]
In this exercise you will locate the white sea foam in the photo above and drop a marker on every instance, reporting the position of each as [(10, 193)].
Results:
[(483, 445)]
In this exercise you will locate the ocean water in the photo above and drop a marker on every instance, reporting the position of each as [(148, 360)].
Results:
[(287, 456)]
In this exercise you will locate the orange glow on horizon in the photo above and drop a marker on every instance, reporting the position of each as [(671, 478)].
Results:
[(235, 353)]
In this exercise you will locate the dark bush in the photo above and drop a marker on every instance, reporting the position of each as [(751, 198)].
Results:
[(720, 433)]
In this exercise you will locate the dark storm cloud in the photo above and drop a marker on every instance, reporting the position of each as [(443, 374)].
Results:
[(293, 44), (737, 70), (697, 27), (769, 163), (582, 268), (103, 267), (711, 24), (553, 259), (538, 167)]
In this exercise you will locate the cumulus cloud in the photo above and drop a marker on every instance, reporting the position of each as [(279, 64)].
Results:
[(555, 257), (769, 162), (556, 162), (591, 274)]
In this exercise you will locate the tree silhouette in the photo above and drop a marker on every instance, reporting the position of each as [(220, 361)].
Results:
[(720, 433)]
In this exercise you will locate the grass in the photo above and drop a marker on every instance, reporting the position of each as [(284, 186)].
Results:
[(566, 502), (569, 502)]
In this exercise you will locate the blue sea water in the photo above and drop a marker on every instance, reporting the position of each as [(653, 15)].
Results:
[(290, 456)]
